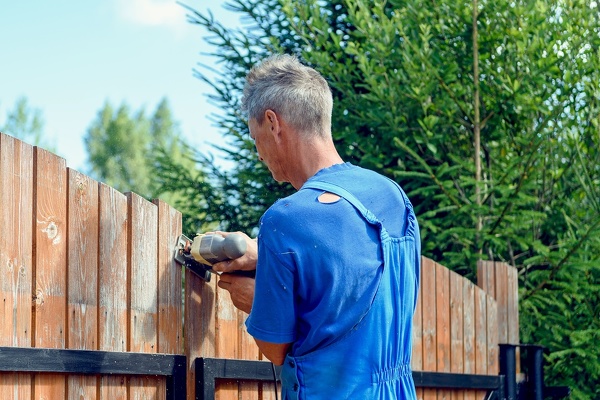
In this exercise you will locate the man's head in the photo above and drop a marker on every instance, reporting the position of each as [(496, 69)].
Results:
[(295, 92)]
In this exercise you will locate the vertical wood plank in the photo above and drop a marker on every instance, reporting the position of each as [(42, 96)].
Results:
[(143, 264), (16, 258), (199, 322), (512, 309), (492, 337), (501, 282), (481, 333), (226, 341), (429, 305), (248, 351), (486, 278), (50, 260), (82, 274), (457, 318), (469, 332), (170, 329), (442, 290), (113, 280), (417, 336), (512, 304)]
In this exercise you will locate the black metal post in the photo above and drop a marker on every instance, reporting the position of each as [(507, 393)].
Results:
[(534, 362), (508, 368)]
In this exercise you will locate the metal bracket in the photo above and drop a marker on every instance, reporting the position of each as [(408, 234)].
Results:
[(202, 270)]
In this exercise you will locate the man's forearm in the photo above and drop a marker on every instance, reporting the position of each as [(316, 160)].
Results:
[(275, 352)]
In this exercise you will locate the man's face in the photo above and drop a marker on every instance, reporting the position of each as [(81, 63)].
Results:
[(266, 147)]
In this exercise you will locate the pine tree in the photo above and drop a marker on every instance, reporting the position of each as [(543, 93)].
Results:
[(485, 112)]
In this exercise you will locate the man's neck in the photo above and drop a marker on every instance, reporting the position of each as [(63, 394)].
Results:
[(312, 157)]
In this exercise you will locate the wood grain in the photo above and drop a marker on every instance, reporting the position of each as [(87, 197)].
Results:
[(429, 304), (50, 260), (113, 278), (442, 292), (248, 351), (469, 332), (82, 275), (227, 341), (492, 337), (170, 302), (143, 290), (481, 335), (16, 257), (199, 322), (457, 317)]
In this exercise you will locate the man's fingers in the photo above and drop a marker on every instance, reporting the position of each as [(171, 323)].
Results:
[(222, 266)]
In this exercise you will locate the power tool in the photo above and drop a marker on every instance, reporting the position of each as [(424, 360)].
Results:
[(200, 254)]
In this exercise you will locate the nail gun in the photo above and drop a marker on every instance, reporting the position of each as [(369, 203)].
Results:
[(200, 254)]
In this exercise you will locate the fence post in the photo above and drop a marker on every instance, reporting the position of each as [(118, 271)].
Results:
[(508, 368)]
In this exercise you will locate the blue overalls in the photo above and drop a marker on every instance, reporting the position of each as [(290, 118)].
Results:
[(372, 361)]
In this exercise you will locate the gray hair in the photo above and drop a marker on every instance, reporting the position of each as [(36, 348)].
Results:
[(296, 92)]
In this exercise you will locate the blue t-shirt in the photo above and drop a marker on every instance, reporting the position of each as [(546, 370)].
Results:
[(318, 263)]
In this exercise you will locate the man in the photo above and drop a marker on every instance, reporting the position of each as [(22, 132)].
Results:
[(337, 263)]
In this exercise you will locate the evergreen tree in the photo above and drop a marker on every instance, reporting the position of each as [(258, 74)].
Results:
[(485, 112)]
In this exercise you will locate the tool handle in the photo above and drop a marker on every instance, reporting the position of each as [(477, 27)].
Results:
[(234, 246)]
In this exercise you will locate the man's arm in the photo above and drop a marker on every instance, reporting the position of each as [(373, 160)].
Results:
[(275, 352), (241, 289)]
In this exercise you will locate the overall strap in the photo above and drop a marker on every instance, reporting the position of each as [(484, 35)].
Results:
[(340, 191)]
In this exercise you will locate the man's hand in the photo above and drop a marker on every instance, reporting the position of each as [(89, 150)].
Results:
[(247, 262), (241, 289)]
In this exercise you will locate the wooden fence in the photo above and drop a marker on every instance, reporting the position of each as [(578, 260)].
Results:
[(84, 267)]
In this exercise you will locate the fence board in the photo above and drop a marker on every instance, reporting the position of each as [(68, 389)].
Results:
[(469, 332), (199, 322), (417, 353), (492, 337), (500, 282), (442, 292), (16, 258), (512, 304), (428, 280), (248, 351), (456, 328), (50, 261), (227, 341), (481, 334), (143, 264), (486, 278), (113, 279), (82, 276), (170, 338)]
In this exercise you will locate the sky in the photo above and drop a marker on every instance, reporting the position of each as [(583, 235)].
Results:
[(69, 57)]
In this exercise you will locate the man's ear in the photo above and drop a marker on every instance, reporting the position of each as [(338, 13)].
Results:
[(273, 122)]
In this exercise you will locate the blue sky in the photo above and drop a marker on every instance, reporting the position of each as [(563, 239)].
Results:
[(68, 57)]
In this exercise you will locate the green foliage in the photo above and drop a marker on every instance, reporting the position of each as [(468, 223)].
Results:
[(408, 103), (27, 124), (126, 149), (237, 198)]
